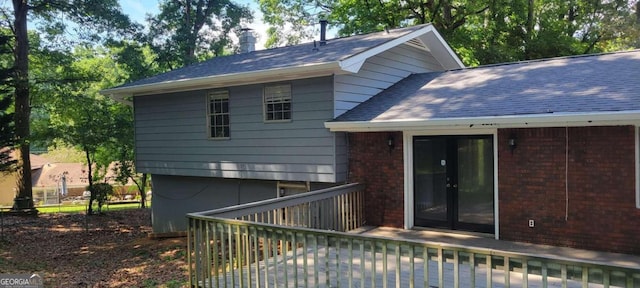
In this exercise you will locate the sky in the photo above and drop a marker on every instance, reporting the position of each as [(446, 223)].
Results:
[(138, 9)]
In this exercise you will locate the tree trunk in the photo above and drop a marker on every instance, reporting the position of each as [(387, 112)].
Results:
[(90, 178), (143, 194), (24, 198), (189, 50), (530, 28)]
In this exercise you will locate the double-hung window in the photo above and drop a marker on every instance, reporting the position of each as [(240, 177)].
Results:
[(219, 114), (277, 102)]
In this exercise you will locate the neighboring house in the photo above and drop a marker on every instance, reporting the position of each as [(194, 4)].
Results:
[(8, 184), (541, 151), (250, 126), (47, 182)]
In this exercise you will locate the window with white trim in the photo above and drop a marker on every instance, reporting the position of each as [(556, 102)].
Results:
[(277, 102), (219, 114)]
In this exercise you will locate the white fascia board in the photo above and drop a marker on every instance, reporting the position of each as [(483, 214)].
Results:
[(353, 63), (514, 121), (441, 50), (235, 79)]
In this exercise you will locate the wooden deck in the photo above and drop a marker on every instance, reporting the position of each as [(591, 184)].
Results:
[(335, 274), (251, 246)]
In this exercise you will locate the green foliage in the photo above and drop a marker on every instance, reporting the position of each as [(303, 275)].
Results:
[(191, 30), (481, 32), (6, 100), (100, 192), (291, 20), (83, 207), (175, 284), (93, 20), (64, 153), (136, 60), (67, 23), (74, 112), (150, 283)]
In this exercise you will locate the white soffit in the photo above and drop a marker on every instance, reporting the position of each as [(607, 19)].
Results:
[(428, 37), (441, 51)]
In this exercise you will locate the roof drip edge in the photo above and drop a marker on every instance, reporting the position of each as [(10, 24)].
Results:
[(510, 121)]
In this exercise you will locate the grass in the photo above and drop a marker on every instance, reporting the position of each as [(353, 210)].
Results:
[(83, 207)]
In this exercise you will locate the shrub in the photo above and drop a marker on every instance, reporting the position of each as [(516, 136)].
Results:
[(101, 192)]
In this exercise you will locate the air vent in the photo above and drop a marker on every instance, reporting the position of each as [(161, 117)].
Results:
[(415, 42)]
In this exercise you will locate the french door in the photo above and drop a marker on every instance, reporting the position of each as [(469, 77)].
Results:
[(453, 182)]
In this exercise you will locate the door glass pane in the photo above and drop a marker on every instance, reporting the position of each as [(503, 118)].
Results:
[(475, 181), (430, 179)]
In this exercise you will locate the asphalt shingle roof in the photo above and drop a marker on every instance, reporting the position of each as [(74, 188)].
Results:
[(580, 84), (290, 56)]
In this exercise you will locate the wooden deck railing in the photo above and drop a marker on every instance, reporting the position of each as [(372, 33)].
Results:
[(337, 208), (226, 252)]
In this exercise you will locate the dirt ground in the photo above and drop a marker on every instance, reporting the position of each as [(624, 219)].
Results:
[(113, 252)]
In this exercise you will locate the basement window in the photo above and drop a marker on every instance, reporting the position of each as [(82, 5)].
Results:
[(277, 103), (219, 114)]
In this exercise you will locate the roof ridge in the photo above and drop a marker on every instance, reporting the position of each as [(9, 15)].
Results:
[(416, 27), (546, 59), (384, 31)]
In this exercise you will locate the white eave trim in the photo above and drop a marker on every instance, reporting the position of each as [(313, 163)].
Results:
[(225, 80), (353, 63), (512, 121)]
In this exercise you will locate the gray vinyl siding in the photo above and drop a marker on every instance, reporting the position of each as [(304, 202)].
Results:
[(172, 136), (378, 73), (342, 156), (175, 196)]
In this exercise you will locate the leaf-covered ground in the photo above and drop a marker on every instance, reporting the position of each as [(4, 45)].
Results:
[(113, 252)]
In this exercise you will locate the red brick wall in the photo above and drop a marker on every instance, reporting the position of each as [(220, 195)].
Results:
[(601, 188), (382, 171)]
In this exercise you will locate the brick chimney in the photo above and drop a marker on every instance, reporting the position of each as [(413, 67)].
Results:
[(247, 41)]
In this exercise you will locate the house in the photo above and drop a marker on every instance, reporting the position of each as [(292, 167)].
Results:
[(250, 126), (8, 185), (47, 178), (49, 181), (540, 151)]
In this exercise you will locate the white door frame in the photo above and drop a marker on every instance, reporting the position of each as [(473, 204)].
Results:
[(408, 169)]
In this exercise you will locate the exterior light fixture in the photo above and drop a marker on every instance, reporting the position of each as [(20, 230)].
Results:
[(513, 142), (390, 143)]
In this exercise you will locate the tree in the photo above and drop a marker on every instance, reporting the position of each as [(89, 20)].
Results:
[(291, 21), (365, 16), (6, 100), (103, 16), (481, 32), (78, 115), (188, 30), (136, 61)]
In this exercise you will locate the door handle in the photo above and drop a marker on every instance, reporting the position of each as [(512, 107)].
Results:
[(448, 185), (455, 185)]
